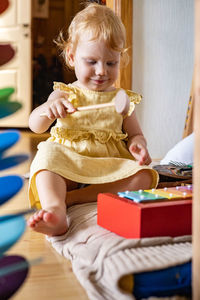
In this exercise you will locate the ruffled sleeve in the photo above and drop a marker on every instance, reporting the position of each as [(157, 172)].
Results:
[(72, 97), (134, 99)]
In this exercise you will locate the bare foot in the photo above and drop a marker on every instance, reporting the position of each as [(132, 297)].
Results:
[(49, 223)]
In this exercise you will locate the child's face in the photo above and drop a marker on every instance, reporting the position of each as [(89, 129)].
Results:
[(96, 66)]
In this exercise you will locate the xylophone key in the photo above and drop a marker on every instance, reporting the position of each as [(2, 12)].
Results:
[(140, 196), (165, 194), (183, 193)]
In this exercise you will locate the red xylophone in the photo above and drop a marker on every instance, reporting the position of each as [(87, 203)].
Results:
[(147, 213)]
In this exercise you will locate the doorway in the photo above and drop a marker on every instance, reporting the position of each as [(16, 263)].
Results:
[(48, 65)]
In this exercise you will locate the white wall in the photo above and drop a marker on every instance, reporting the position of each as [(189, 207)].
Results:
[(162, 69)]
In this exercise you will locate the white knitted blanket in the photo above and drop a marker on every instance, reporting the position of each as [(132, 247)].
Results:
[(100, 258)]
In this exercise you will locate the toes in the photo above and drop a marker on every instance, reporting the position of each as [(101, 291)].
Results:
[(48, 217), (38, 216), (34, 219), (41, 213), (31, 222)]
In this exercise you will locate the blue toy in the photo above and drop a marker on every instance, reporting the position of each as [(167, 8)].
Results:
[(9, 186), (10, 232), (7, 139)]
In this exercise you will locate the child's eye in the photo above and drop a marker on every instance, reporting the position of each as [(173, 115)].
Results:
[(111, 63), (91, 62)]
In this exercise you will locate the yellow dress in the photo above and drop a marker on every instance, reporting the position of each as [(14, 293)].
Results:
[(87, 146)]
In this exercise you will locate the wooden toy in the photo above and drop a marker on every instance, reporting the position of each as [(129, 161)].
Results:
[(10, 232), (4, 5), (5, 93), (10, 185), (121, 104), (7, 52), (12, 280), (148, 213), (8, 107), (13, 269), (12, 161), (7, 139)]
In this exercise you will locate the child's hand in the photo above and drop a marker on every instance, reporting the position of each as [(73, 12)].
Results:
[(58, 106), (140, 153)]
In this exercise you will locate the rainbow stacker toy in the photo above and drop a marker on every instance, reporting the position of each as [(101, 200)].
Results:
[(147, 213)]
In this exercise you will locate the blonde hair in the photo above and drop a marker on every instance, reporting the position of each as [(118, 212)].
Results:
[(100, 22)]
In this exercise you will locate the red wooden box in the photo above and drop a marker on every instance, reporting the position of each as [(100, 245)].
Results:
[(137, 220)]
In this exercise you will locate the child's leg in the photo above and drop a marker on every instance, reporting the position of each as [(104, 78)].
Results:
[(141, 180), (51, 220)]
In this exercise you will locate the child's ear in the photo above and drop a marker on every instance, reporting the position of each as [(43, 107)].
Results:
[(70, 56)]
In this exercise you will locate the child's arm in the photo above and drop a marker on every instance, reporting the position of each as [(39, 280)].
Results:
[(56, 106), (136, 142)]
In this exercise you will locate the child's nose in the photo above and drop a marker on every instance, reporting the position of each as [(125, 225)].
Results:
[(101, 69)]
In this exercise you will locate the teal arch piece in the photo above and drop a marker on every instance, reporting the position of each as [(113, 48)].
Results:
[(10, 232), (8, 107)]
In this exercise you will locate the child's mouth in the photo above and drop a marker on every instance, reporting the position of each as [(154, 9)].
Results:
[(99, 81)]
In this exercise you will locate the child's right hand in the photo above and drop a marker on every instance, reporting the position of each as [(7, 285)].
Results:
[(58, 105)]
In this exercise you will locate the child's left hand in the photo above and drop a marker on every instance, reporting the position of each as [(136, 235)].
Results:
[(140, 153)]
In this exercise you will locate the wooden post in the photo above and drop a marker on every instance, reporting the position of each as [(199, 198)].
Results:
[(124, 9), (189, 121), (196, 200)]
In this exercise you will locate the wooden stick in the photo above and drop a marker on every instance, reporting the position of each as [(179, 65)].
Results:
[(16, 215), (88, 107), (121, 104)]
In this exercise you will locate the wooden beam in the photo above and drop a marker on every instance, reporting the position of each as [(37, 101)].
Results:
[(124, 9), (196, 200), (189, 121)]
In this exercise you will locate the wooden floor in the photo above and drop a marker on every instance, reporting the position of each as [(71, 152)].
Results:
[(53, 278)]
